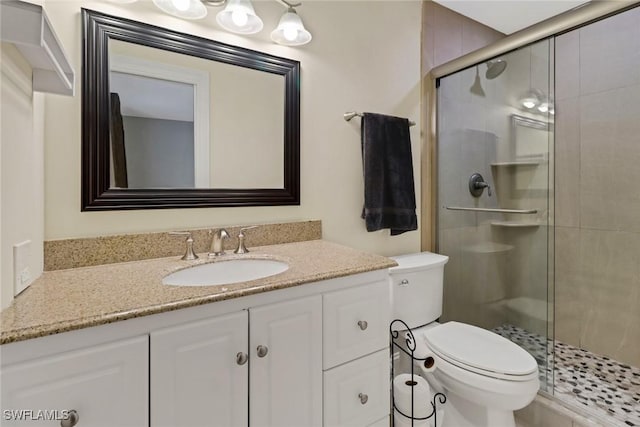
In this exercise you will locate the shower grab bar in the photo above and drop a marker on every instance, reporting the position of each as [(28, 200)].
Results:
[(507, 211)]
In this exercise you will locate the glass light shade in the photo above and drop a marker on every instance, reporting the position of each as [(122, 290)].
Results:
[(290, 30), (239, 17), (529, 102), (544, 107), (186, 9)]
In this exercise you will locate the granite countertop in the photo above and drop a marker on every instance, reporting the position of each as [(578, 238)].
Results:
[(67, 300)]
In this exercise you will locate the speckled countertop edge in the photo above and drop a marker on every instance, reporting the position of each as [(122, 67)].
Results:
[(72, 299)]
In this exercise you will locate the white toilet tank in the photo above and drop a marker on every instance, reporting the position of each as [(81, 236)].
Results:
[(416, 287)]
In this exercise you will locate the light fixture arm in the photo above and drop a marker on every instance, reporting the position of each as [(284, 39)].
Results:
[(214, 3), (220, 3), (289, 5)]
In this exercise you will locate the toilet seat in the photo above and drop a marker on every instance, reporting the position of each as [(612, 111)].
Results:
[(480, 351)]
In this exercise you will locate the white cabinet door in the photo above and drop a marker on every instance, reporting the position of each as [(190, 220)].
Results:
[(286, 364), (107, 385), (196, 378)]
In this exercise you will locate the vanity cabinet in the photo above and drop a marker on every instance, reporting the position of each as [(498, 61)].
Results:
[(106, 385), (305, 356), (204, 373)]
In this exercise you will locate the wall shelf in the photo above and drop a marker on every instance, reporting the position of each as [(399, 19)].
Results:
[(26, 26)]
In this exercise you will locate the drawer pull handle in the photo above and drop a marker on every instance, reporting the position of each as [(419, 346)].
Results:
[(241, 358), (71, 420), (363, 324), (363, 398), (404, 283), (262, 350)]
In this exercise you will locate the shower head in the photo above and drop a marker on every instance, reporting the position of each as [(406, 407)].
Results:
[(495, 68)]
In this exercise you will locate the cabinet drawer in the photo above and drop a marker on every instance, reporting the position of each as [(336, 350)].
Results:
[(384, 422), (357, 393), (355, 323)]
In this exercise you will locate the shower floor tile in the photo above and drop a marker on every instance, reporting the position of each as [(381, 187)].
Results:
[(603, 385)]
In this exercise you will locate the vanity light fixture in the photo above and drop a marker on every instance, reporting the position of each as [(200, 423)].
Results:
[(290, 30), (535, 101), (186, 9), (239, 17), (543, 107), (532, 99), (529, 102)]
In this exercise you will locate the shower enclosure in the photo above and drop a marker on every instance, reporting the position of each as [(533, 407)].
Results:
[(494, 196), (538, 208)]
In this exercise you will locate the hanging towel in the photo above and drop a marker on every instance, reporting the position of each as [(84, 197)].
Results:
[(389, 193)]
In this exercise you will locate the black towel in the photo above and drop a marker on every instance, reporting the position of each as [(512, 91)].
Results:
[(389, 193)]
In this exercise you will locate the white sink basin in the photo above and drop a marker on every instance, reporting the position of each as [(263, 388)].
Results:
[(225, 272)]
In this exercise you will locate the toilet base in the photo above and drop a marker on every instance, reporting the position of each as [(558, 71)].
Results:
[(459, 412)]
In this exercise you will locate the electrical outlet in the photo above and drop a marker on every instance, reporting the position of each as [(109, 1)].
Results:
[(21, 272)]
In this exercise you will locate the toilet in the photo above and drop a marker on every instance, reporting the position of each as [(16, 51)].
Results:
[(484, 376)]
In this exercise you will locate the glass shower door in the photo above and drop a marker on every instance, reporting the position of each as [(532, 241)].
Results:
[(495, 207)]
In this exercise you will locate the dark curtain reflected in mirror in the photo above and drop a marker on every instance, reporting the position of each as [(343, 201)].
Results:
[(118, 152)]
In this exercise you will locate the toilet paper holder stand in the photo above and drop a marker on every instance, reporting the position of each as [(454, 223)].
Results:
[(398, 330)]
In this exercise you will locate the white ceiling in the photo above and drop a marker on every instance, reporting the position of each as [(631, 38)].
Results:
[(509, 16)]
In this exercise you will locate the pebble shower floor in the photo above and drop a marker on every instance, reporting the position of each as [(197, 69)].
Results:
[(604, 385)]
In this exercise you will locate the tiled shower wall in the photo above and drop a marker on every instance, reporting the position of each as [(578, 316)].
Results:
[(598, 187)]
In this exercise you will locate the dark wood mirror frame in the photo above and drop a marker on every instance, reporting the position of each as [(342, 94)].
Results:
[(97, 195)]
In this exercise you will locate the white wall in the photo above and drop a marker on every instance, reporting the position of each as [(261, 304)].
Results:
[(22, 168), (365, 56)]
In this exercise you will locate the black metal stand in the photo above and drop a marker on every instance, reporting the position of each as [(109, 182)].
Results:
[(410, 343)]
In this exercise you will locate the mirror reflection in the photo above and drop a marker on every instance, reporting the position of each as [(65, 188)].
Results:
[(179, 121)]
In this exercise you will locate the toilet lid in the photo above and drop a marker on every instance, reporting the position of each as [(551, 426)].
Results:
[(480, 351)]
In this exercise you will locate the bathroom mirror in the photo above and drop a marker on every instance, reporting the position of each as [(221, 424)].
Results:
[(172, 120), (530, 139)]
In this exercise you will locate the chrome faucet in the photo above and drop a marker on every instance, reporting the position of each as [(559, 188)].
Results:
[(217, 241)]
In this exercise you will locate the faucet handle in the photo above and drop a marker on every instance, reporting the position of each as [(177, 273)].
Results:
[(189, 254), (242, 249)]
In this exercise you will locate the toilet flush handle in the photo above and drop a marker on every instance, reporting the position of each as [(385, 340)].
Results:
[(404, 283)]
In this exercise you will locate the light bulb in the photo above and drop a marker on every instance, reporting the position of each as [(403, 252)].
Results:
[(528, 103), (239, 17), (290, 33), (181, 5), (543, 108)]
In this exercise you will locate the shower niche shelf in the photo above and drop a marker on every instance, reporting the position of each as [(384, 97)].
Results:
[(530, 163), (515, 224), (488, 248)]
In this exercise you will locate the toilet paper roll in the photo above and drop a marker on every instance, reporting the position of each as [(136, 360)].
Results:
[(427, 363), (400, 421), (402, 386)]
